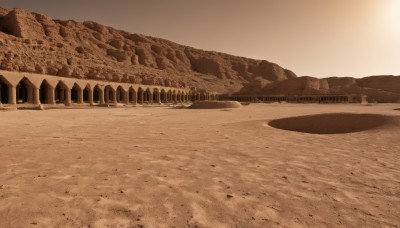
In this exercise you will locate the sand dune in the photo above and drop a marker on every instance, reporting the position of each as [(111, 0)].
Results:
[(215, 105), (165, 167)]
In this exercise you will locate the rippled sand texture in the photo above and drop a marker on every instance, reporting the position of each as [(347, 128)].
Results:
[(163, 167)]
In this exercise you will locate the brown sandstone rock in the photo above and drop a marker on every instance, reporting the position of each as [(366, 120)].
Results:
[(50, 27), (39, 69), (120, 56), (377, 88), (95, 26), (392, 83), (3, 11), (337, 83), (116, 43), (22, 24), (65, 71)]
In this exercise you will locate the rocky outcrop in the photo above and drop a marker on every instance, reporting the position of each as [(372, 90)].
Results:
[(298, 86), (21, 24), (36, 43), (377, 88), (383, 83)]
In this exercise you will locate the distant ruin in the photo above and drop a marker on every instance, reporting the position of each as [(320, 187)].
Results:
[(298, 99)]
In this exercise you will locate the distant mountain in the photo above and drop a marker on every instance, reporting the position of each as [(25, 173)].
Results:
[(378, 88)]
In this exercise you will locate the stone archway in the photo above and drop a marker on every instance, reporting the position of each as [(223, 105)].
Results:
[(61, 93), (109, 95), (87, 96), (45, 93), (147, 96), (76, 94), (120, 95), (156, 96), (97, 94), (163, 96), (169, 96), (24, 91)]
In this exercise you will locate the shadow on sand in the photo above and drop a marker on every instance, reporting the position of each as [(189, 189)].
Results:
[(332, 123)]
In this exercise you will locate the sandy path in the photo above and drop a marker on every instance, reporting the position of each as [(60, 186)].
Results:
[(163, 167)]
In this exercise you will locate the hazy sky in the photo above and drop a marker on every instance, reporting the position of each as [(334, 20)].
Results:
[(311, 37)]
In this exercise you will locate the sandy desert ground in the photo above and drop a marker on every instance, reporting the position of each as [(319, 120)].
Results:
[(168, 167)]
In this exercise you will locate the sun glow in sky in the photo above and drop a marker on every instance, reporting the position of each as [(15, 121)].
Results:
[(393, 13), (318, 38)]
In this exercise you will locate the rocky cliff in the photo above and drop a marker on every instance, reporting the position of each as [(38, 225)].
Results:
[(31, 42)]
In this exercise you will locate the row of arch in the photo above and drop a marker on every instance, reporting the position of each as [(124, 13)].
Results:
[(34, 89)]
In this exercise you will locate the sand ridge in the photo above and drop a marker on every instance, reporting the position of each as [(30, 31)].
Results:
[(133, 167), (215, 105)]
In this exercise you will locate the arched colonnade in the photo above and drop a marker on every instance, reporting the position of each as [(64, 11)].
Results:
[(20, 88)]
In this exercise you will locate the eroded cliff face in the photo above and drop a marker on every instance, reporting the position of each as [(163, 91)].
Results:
[(378, 88), (31, 42)]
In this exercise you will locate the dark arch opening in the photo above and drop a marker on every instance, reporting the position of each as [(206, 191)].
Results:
[(96, 94), (155, 95), (3, 92), (86, 92), (60, 93), (132, 95), (120, 94), (43, 93), (163, 96), (173, 99), (147, 96), (22, 92), (109, 94), (169, 96), (140, 95), (75, 93)]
